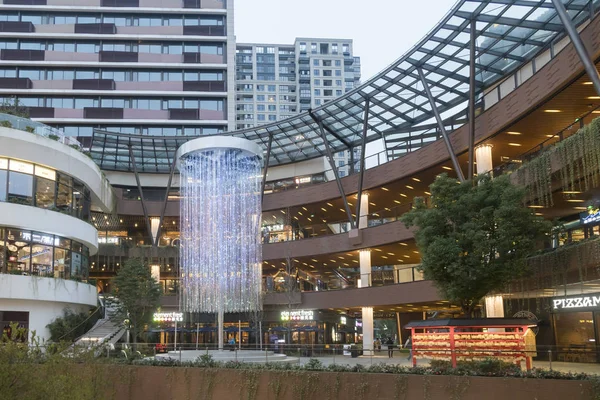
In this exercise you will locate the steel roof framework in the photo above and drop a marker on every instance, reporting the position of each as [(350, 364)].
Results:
[(509, 33)]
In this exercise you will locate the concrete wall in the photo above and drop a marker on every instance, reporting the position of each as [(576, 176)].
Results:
[(44, 298)]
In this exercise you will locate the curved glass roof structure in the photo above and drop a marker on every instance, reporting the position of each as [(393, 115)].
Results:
[(509, 33)]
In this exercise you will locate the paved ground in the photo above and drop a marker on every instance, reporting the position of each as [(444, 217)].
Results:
[(401, 359)]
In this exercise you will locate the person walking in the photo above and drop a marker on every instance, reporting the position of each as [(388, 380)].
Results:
[(390, 346), (408, 345)]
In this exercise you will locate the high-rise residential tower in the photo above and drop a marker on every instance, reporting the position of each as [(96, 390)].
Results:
[(276, 81), (131, 66)]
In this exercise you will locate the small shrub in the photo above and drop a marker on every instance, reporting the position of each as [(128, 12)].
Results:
[(30, 129), (205, 360), (314, 365), (53, 137), (6, 124)]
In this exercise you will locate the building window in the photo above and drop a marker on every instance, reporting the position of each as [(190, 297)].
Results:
[(260, 88), (260, 97), (260, 107), (261, 117), (338, 83), (316, 62), (313, 47), (318, 102), (272, 98), (316, 72), (302, 46), (272, 117), (338, 72), (272, 107), (272, 88), (317, 82), (328, 92), (338, 92), (327, 72), (338, 63), (317, 92), (334, 48), (346, 48)]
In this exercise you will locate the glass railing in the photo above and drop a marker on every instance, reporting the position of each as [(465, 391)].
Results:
[(27, 125)]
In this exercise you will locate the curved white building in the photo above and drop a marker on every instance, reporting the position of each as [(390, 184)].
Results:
[(47, 191)]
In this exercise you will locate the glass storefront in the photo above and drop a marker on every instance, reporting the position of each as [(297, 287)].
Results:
[(41, 254), (33, 185)]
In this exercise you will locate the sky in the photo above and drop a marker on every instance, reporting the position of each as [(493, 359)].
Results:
[(382, 30)]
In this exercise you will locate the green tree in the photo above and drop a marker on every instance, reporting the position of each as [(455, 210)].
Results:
[(71, 325), (138, 294), (474, 239)]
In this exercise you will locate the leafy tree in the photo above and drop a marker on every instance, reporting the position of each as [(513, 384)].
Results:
[(138, 294), (474, 239)]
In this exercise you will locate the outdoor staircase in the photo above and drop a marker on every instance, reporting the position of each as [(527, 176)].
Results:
[(107, 331)]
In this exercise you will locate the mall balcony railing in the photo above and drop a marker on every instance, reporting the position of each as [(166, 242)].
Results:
[(344, 281), (27, 125)]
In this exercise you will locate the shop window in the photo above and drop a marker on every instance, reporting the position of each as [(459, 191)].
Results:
[(3, 181), (18, 251), (62, 263), (20, 188), (64, 194), (44, 193), (41, 260)]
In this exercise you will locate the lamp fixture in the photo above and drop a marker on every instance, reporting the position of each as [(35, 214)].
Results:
[(515, 144), (513, 133), (552, 111)]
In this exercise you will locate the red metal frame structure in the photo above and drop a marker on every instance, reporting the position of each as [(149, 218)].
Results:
[(469, 339)]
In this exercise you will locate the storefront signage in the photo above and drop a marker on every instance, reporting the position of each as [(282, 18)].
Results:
[(45, 173), (273, 228), (343, 320), (592, 216), (304, 179), (23, 167), (576, 302), (298, 315), (38, 238), (168, 317)]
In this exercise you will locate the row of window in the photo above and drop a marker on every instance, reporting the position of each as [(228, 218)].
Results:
[(326, 63), (327, 92), (42, 254), (327, 82), (249, 87), (270, 107), (265, 77), (87, 131), (324, 48), (119, 102), (119, 75), (109, 18), (327, 72), (33, 185), (102, 45)]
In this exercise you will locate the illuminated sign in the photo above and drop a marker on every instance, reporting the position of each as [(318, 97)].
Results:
[(298, 315), (168, 317), (304, 179), (592, 216), (45, 173), (38, 238), (565, 303), (19, 166), (343, 320)]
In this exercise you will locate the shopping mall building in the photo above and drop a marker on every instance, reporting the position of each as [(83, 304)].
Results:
[(509, 84)]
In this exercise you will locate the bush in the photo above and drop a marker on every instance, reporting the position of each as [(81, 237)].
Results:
[(6, 124), (30, 129), (314, 365), (53, 137)]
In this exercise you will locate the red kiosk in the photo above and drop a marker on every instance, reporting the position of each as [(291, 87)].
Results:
[(507, 339)]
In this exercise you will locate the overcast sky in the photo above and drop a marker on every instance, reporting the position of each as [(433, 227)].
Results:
[(382, 30)]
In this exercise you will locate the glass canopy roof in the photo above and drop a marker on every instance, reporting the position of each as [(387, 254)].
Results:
[(509, 33)]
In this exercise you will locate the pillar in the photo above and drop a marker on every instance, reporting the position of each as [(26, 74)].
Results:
[(483, 157), (494, 308), (363, 221), (220, 330), (365, 268), (154, 224), (367, 321)]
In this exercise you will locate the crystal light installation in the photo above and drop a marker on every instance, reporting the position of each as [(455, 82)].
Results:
[(220, 225)]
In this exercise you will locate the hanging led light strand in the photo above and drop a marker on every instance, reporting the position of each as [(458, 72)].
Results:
[(220, 226)]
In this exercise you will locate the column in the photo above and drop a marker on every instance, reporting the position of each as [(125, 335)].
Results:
[(367, 321), (483, 157), (363, 221), (365, 268), (154, 224), (494, 308)]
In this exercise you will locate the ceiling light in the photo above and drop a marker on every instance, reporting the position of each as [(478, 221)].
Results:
[(342, 210), (403, 195), (410, 187), (534, 206), (571, 192), (391, 254), (575, 201), (539, 214), (550, 136), (588, 83), (593, 97), (384, 257), (552, 111), (386, 189), (447, 168), (427, 193), (396, 201), (406, 256), (304, 208), (324, 209), (513, 133), (580, 208), (378, 250), (330, 205), (283, 212), (416, 179), (403, 244), (299, 213), (515, 144), (371, 203)]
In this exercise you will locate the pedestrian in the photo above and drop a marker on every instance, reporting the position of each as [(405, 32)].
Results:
[(378, 345), (408, 345), (390, 346), (232, 344)]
